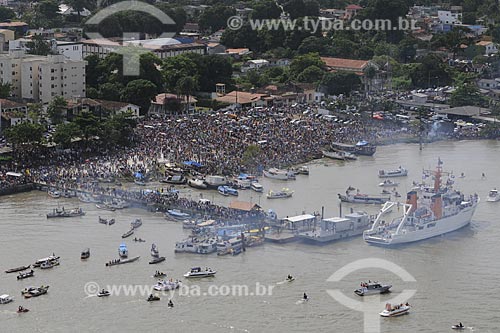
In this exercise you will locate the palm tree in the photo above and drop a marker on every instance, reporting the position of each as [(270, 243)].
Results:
[(186, 86)]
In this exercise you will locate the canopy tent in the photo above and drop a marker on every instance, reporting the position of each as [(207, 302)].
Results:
[(193, 163)]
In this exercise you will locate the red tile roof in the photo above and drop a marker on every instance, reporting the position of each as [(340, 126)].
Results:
[(345, 64), (8, 104), (353, 7)]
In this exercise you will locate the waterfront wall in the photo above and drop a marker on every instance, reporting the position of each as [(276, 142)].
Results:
[(17, 189)]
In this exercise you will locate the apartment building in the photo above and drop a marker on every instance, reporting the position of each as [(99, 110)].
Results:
[(41, 78)]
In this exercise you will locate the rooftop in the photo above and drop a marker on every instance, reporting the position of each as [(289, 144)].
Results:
[(243, 205), (341, 63)]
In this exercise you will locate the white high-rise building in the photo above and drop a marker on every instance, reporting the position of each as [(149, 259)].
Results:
[(41, 78)]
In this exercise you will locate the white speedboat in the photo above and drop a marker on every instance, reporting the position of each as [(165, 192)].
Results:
[(227, 190), (51, 258), (284, 193), (394, 311), (493, 196), (123, 251), (399, 172), (428, 212), (372, 288), (4, 299), (197, 272), (197, 183), (165, 285), (388, 183), (257, 187), (274, 173)]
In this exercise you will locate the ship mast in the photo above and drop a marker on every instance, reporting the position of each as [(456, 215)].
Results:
[(437, 174)]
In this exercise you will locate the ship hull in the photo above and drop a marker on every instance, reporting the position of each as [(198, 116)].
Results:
[(324, 239), (442, 226)]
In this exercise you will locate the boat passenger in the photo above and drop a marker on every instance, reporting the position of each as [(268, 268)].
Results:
[(305, 296), (460, 325), (20, 308), (289, 277), (170, 304)]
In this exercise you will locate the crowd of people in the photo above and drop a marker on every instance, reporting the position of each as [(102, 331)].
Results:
[(284, 136)]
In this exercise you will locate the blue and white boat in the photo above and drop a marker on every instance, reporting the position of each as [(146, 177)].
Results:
[(177, 214), (123, 251), (227, 190)]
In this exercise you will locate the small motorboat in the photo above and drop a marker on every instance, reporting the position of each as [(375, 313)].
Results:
[(103, 293), (17, 269), (4, 299), (128, 233), (458, 327), (35, 292), (136, 223), (197, 272), (111, 222), (103, 221), (399, 172), (164, 285), (257, 187), (64, 213), (388, 183), (152, 298), (157, 260), (122, 250), (22, 310), (85, 254), (47, 265), (105, 207), (394, 311), (372, 288), (22, 276), (493, 196), (121, 261), (284, 193), (159, 274)]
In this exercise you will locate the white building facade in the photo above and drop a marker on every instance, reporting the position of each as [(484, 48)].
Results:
[(39, 78)]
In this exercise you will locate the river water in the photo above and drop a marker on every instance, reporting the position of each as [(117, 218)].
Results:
[(456, 274)]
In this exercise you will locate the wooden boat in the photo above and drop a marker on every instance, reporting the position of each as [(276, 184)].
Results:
[(152, 298), (174, 179), (157, 260), (128, 233), (63, 213), (121, 261), (111, 222), (17, 269)]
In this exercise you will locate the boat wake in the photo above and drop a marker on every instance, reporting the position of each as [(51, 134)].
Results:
[(302, 301)]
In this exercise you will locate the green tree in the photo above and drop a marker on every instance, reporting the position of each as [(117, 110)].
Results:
[(175, 68), (301, 8), (140, 92), (311, 74), (39, 46), (250, 156), (215, 17), (467, 94), (186, 86), (110, 91), (35, 111), (265, 9), (92, 70), (25, 134), (5, 89), (118, 130), (6, 14), (65, 133), (313, 44), (88, 124), (300, 63), (340, 83), (57, 109), (430, 72)]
